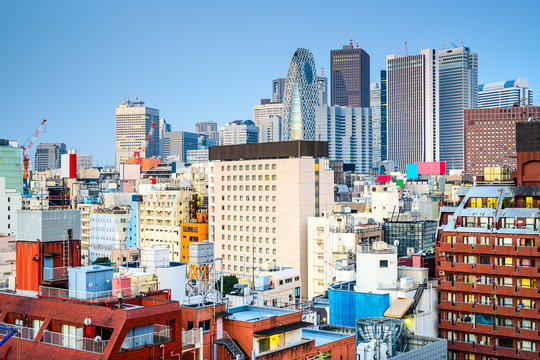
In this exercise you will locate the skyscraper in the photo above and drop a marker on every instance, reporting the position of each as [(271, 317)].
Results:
[(322, 89), (209, 128), (278, 90), (48, 156), (133, 123), (413, 107), (177, 143), (270, 129), (375, 105), (349, 78), (239, 132), (505, 94), (301, 98), (264, 110), (349, 135), (458, 84)]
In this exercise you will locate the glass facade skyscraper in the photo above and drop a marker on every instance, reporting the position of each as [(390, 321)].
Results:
[(349, 79), (458, 83), (301, 98)]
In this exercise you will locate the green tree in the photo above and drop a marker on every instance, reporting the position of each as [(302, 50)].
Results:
[(228, 284), (102, 260)]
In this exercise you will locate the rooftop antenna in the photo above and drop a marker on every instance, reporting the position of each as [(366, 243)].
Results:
[(322, 72), (444, 46), (424, 43), (350, 42), (357, 44), (399, 48), (406, 50), (462, 43)]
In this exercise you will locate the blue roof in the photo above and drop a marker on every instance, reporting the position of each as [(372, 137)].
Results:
[(322, 337), (256, 313), (509, 83)]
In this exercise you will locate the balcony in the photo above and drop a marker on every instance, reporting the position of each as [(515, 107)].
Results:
[(528, 271), (160, 335), (74, 342), (25, 333), (527, 292), (55, 274), (98, 296), (193, 337)]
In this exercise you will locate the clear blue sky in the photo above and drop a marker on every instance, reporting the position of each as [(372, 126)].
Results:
[(72, 62)]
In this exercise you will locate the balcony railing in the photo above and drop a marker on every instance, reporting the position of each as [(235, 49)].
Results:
[(55, 273), (98, 296), (74, 342), (192, 337), (161, 335), (25, 333)]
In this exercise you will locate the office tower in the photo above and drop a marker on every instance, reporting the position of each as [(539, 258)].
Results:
[(349, 134), (270, 129), (505, 94), (413, 107), (163, 128), (209, 128), (278, 90), (85, 161), (48, 156), (205, 142), (238, 132), (301, 98), (260, 201), (11, 185), (490, 136), (375, 105), (175, 144), (197, 156), (458, 84), (487, 262), (349, 77), (264, 110), (133, 123), (107, 231), (384, 117), (322, 90)]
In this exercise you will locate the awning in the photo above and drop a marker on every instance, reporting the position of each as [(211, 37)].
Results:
[(222, 313), (399, 307), (282, 328)]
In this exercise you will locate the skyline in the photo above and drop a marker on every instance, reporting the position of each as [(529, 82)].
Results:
[(198, 65)]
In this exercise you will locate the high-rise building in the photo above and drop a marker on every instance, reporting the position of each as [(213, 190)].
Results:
[(505, 94), (177, 143), (375, 105), (254, 218), (133, 123), (85, 161), (349, 78), (458, 84), (239, 132), (48, 156), (413, 107), (278, 90), (107, 231), (487, 262), (384, 117), (322, 90), (270, 129), (490, 136), (264, 110), (208, 127), (349, 134), (11, 185), (301, 98)]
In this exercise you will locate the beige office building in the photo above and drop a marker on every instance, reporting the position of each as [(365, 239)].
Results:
[(133, 122), (259, 207), (265, 110)]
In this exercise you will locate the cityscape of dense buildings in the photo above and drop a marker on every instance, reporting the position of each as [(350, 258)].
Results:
[(399, 220)]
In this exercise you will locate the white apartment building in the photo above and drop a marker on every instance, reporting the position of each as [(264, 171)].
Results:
[(238, 132), (270, 129), (258, 209), (86, 210), (10, 202), (160, 215), (108, 231)]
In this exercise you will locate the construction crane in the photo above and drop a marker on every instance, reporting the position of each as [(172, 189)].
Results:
[(137, 153), (517, 103), (26, 158)]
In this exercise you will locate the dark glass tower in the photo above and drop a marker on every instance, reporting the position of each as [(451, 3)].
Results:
[(349, 80), (384, 138)]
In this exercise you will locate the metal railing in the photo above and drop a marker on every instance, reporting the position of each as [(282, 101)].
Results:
[(230, 344), (160, 335), (192, 337), (25, 333), (97, 296), (74, 342), (55, 273)]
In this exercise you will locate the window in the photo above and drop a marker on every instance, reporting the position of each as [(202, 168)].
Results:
[(264, 345), (383, 263), (205, 325)]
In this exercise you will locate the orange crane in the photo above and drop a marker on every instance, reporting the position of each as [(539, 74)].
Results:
[(26, 158), (137, 153)]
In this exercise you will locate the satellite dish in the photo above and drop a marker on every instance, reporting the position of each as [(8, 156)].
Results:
[(97, 339), (87, 321), (396, 243)]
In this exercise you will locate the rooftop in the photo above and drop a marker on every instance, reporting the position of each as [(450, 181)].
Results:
[(323, 337), (256, 313)]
